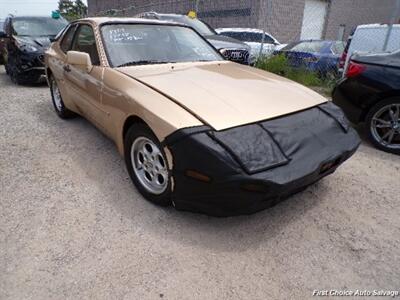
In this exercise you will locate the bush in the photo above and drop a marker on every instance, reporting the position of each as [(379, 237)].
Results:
[(278, 64)]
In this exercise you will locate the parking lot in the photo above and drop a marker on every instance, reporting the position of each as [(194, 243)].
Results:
[(73, 226)]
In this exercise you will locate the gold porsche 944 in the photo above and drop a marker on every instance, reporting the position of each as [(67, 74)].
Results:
[(196, 131)]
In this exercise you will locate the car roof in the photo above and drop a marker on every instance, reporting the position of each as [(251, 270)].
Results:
[(110, 20), (376, 25), (240, 29), (30, 17), (327, 44), (319, 41)]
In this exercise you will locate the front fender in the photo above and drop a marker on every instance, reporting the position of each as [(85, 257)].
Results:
[(124, 97)]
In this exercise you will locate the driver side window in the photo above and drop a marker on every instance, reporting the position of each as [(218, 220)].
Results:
[(85, 41), (67, 39)]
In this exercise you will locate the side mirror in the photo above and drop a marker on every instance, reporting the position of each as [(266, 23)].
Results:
[(3, 35), (80, 60)]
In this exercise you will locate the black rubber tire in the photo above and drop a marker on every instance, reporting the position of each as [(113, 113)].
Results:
[(368, 121), (64, 113), (14, 77), (142, 130)]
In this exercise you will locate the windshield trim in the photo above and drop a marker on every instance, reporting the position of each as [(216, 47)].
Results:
[(108, 23)]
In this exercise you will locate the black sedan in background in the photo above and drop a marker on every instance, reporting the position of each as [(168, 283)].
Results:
[(2, 42), (25, 40), (370, 93)]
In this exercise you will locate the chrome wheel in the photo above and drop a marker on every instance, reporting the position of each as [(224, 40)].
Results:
[(56, 96), (385, 126), (149, 165)]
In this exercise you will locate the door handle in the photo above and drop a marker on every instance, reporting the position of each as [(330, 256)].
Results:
[(67, 68)]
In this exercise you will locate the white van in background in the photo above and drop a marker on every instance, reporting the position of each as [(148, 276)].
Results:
[(369, 39)]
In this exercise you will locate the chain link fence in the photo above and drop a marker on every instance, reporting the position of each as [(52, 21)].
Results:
[(283, 36)]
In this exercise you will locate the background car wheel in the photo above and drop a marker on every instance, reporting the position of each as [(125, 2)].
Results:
[(383, 122), (58, 103), (7, 67), (147, 164), (14, 77)]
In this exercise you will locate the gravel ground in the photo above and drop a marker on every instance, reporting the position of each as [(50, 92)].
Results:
[(73, 226)]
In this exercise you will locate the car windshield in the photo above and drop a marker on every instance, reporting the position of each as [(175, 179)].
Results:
[(35, 26), (196, 24), (250, 37), (135, 44), (306, 46)]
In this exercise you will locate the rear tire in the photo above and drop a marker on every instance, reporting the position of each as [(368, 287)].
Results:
[(58, 103), (147, 164), (383, 125)]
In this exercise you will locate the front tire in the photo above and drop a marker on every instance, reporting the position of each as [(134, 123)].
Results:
[(147, 164), (383, 121), (6, 66), (58, 103)]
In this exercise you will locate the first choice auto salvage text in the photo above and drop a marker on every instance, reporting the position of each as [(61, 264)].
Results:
[(355, 293)]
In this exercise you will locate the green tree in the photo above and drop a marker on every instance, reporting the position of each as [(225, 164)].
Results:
[(80, 9), (72, 10)]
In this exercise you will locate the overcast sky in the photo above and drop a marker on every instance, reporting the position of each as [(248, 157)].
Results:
[(28, 7)]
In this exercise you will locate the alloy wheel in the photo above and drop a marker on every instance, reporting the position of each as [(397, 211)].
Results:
[(149, 165), (385, 126), (56, 96)]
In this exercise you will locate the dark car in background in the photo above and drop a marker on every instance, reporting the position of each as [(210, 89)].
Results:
[(320, 56), (2, 42), (230, 48), (370, 93), (26, 39)]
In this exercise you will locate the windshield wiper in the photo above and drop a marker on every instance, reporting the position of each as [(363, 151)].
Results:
[(144, 62)]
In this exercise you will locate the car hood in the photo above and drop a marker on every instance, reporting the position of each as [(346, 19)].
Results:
[(42, 42), (225, 94), (223, 42)]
